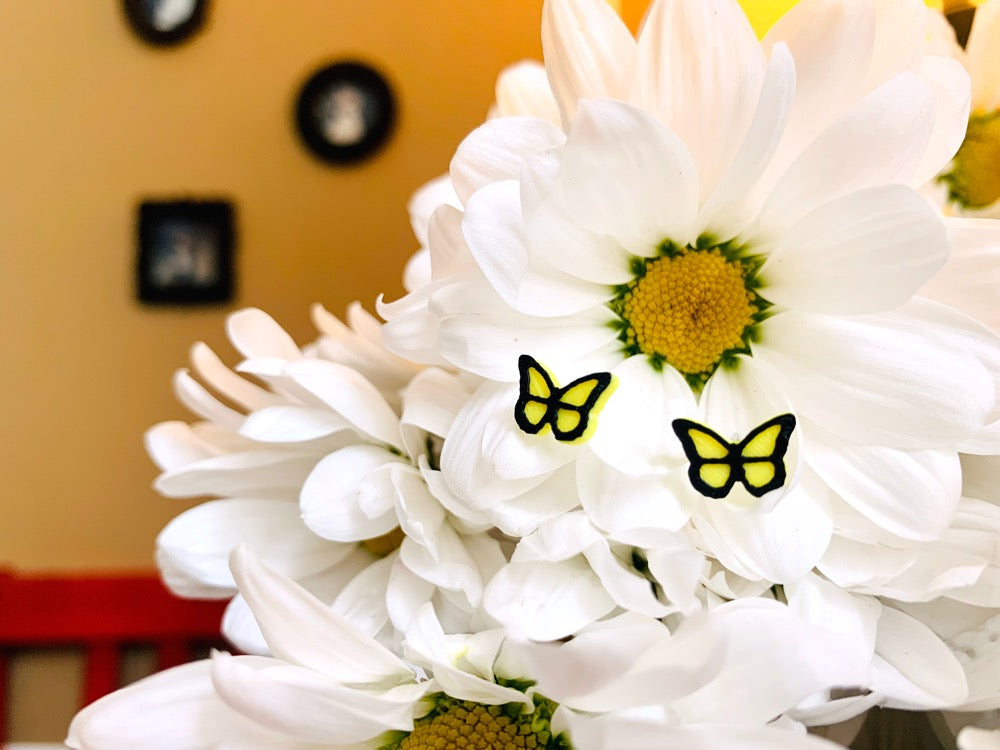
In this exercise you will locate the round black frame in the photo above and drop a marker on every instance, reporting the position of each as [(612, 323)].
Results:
[(138, 19), (380, 97)]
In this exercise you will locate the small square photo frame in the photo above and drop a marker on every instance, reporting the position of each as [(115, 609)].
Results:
[(185, 252)]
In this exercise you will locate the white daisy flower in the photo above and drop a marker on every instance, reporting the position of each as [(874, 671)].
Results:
[(330, 686), (324, 468), (568, 234), (752, 259)]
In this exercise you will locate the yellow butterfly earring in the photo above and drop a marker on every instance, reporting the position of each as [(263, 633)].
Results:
[(757, 460), (569, 412)]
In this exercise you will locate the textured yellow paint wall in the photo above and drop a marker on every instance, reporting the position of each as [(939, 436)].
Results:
[(92, 120)]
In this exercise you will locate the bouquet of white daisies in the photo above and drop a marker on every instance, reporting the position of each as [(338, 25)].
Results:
[(686, 433)]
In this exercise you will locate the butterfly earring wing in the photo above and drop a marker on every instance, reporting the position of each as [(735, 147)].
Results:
[(569, 412), (710, 468), (762, 453), (578, 405), (757, 461), (535, 396)]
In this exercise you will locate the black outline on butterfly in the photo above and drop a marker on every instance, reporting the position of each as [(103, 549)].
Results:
[(734, 458), (553, 401)]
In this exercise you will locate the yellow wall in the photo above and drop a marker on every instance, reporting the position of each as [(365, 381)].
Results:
[(91, 120)]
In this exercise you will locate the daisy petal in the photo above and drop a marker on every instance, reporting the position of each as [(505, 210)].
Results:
[(781, 545), (914, 665), (901, 37), (821, 603), (306, 705), (630, 590), (633, 434), (756, 629), (671, 667), (195, 545), (487, 341), (241, 629), (613, 732), (523, 89), (557, 539), (679, 571), (588, 52), (483, 438), (595, 656), (974, 738), (174, 709), (292, 424), (448, 565), (172, 445), (430, 403), (545, 601), (970, 280), (449, 254), (349, 394), (867, 251), (223, 380), (348, 496), (411, 328), (853, 564), (255, 334), (735, 401), (260, 473), (425, 201), (355, 602), (700, 70), (494, 229), (872, 479), (427, 643), (302, 630), (497, 149), (836, 370), (195, 397), (832, 43), (879, 141), (627, 176), (552, 232), (521, 515), (952, 328), (949, 81), (724, 213), (982, 51), (618, 502), (359, 345)]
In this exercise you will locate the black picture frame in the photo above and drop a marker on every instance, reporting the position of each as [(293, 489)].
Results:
[(185, 251), (165, 23), (345, 112)]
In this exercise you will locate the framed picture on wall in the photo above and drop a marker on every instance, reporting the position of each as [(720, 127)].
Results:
[(165, 22), (345, 112), (185, 251)]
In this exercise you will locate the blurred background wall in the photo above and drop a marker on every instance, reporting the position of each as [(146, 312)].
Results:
[(91, 121)]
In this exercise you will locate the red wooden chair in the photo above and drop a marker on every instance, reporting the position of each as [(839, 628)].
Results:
[(100, 614)]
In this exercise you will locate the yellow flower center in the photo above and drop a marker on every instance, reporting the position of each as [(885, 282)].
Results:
[(472, 726), (974, 179), (689, 308)]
